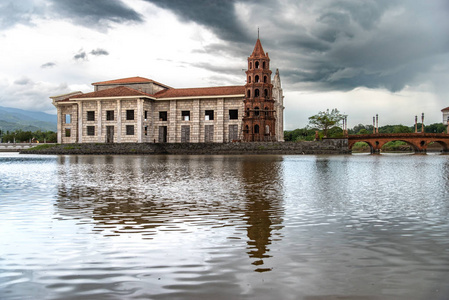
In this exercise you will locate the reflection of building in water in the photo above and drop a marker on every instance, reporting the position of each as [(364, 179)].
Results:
[(264, 205)]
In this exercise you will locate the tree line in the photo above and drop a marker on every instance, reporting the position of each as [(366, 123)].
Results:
[(329, 124), (20, 136)]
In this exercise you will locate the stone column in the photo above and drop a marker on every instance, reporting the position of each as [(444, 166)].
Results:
[(219, 132), (196, 120), (172, 122), (99, 122), (119, 121), (60, 127), (80, 121), (139, 120)]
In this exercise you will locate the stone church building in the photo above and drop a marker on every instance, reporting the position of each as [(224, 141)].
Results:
[(141, 110)]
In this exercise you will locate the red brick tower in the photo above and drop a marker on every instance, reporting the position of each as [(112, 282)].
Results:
[(259, 119)]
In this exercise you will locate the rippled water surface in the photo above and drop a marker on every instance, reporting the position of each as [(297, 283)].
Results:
[(224, 227)]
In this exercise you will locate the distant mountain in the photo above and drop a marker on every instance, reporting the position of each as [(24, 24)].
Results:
[(14, 119)]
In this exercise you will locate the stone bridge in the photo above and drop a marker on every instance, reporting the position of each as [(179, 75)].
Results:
[(15, 147), (419, 141)]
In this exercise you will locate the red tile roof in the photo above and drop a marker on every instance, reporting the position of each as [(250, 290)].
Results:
[(129, 80), (120, 91), (198, 92), (123, 91), (444, 109)]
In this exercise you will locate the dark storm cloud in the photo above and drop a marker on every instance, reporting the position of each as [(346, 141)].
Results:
[(219, 16), (95, 13), (330, 44), (90, 13), (99, 52)]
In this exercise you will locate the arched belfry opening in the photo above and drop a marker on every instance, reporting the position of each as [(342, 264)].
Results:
[(260, 121)]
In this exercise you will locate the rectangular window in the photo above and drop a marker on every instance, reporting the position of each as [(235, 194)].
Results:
[(91, 115), (233, 114), (129, 129), (67, 132), (130, 114), (68, 119), (109, 115), (162, 116), (145, 129), (185, 115), (145, 115), (90, 130), (209, 115)]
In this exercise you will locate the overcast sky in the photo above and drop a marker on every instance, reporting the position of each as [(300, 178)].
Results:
[(389, 57)]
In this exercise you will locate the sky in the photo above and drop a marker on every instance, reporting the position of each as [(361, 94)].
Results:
[(385, 57)]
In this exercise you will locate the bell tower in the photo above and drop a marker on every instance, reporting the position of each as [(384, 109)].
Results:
[(259, 119)]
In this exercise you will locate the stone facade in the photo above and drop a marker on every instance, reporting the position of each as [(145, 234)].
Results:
[(140, 110)]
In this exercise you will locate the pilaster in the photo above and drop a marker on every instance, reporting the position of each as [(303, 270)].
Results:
[(119, 121), (80, 122), (99, 124), (196, 119), (172, 122), (219, 138)]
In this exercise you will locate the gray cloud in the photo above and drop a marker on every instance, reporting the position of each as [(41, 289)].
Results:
[(330, 44), (82, 55), (13, 12), (96, 13), (99, 52), (48, 65), (220, 16)]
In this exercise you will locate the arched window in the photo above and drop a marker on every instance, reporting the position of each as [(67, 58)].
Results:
[(265, 79), (256, 128), (267, 129), (266, 111), (256, 111), (249, 93), (256, 79), (257, 65), (249, 79), (250, 65), (246, 128), (256, 93), (265, 92), (263, 65), (247, 113)]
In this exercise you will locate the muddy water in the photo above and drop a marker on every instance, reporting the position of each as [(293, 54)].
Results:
[(224, 227)]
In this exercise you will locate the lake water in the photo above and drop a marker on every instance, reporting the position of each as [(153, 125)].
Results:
[(224, 227)]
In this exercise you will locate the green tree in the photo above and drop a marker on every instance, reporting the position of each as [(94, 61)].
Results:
[(324, 120)]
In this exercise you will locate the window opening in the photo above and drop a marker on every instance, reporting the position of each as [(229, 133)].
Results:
[(109, 115), (67, 132), (256, 93), (185, 115), (162, 116), (256, 128), (209, 115), (256, 111), (90, 116), (90, 130), (233, 114), (256, 79), (130, 114), (129, 129), (68, 119)]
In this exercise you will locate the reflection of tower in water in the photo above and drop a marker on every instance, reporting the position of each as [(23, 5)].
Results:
[(262, 177)]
